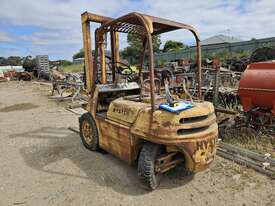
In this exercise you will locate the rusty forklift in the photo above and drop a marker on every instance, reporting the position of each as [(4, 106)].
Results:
[(125, 118)]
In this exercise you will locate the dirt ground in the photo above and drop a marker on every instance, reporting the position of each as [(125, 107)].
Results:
[(43, 163)]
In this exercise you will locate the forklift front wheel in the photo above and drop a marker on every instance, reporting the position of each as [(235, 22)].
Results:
[(88, 132), (146, 165)]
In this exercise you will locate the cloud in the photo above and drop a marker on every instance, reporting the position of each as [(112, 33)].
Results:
[(56, 14), (58, 23), (5, 37), (52, 37), (245, 19)]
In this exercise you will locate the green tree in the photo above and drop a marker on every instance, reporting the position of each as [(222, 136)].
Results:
[(173, 46), (14, 60), (3, 61), (134, 50), (29, 63), (65, 63), (156, 43), (79, 54), (223, 55)]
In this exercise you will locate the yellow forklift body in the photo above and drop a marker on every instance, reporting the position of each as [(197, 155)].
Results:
[(126, 123)]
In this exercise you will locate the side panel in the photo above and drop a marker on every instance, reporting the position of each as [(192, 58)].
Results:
[(116, 139)]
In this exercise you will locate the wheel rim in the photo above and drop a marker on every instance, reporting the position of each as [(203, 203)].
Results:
[(87, 132)]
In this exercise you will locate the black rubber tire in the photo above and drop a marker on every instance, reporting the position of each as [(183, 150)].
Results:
[(94, 146), (146, 165)]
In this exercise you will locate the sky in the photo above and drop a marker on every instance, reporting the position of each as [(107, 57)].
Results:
[(53, 27)]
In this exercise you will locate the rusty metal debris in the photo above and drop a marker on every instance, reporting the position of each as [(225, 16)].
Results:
[(251, 97), (68, 86), (16, 75)]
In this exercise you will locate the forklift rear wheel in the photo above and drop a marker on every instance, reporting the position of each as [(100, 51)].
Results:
[(88, 132), (146, 165)]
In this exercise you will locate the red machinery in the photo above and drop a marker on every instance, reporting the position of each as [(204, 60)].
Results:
[(257, 91)]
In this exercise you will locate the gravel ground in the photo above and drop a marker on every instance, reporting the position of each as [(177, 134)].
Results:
[(43, 163)]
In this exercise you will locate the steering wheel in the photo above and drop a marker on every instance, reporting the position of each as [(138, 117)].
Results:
[(146, 85), (123, 69)]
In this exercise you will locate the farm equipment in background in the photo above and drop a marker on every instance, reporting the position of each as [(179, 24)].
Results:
[(257, 94), (17, 75), (68, 86), (25, 76), (248, 96), (183, 77)]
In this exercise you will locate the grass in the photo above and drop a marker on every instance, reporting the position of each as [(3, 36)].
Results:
[(258, 141), (72, 68)]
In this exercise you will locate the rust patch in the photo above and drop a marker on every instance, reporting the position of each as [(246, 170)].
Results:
[(18, 107), (166, 124)]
